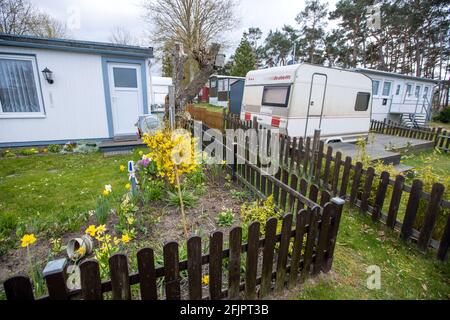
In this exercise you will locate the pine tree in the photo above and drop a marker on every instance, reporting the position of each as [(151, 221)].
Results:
[(244, 59)]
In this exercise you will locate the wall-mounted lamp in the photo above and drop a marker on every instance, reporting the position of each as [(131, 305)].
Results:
[(48, 75)]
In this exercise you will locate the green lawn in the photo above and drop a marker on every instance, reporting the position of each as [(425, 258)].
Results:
[(52, 193), (405, 273), (445, 126), (440, 160)]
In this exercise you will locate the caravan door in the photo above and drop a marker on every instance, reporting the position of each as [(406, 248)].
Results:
[(316, 102)]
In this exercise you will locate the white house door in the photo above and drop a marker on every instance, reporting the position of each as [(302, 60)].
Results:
[(316, 101), (126, 97)]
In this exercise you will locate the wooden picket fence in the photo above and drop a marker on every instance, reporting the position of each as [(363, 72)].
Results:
[(304, 247), (212, 119), (439, 136), (311, 164)]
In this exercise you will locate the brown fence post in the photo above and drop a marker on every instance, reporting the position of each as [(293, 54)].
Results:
[(91, 283), (411, 209), (18, 288), (380, 196), (55, 277), (283, 252), (172, 270), (333, 232), (215, 265), (431, 214), (445, 242), (397, 191), (268, 253), (234, 266), (194, 266), (252, 261), (120, 279)]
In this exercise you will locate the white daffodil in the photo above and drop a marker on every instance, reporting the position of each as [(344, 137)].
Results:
[(108, 188)]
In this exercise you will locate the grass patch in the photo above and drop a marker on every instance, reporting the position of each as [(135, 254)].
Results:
[(209, 107), (441, 161), (405, 273), (52, 193)]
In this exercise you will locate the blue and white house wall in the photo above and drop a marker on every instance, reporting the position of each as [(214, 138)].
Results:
[(98, 92)]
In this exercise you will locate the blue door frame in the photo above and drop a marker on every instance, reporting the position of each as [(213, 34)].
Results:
[(109, 114)]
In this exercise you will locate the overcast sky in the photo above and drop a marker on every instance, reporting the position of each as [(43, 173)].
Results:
[(94, 19)]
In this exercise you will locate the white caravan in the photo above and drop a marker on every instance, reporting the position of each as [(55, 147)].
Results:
[(300, 98)]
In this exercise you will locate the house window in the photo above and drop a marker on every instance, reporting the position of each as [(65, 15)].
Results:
[(387, 88), (276, 96), (417, 92), (408, 89), (362, 101), (213, 83), (425, 92), (125, 78), (19, 86), (397, 91), (375, 87), (222, 85)]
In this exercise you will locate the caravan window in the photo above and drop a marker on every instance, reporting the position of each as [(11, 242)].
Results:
[(397, 92), (375, 87), (19, 86), (276, 96), (362, 101), (425, 92)]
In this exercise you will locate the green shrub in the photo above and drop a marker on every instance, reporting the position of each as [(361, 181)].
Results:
[(189, 200), (9, 154), (28, 152), (260, 211), (54, 148), (85, 148), (444, 115), (152, 190), (225, 218)]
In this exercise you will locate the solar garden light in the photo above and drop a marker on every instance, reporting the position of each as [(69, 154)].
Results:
[(48, 75)]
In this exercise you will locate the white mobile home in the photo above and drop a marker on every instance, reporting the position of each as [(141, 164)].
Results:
[(54, 91), (160, 89), (300, 98), (401, 98)]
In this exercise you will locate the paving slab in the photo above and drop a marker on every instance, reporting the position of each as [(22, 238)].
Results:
[(382, 147)]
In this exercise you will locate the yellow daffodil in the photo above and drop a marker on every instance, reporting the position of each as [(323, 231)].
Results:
[(126, 238), (101, 229), (128, 186), (141, 153), (122, 168), (27, 240), (223, 162), (91, 230), (116, 241), (105, 193), (81, 251), (205, 279)]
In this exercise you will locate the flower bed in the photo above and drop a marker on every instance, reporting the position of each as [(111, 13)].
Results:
[(127, 219)]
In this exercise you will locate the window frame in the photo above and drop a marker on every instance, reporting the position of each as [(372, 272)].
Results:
[(398, 89), (278, 105), (425, 95), (380, 82), (368, 101), (417, 94), (37, 80), (390, 88), (409, 93)]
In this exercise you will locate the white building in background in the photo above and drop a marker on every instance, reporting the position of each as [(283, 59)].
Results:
[(54, 91), (401, 98), (159, 91)]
